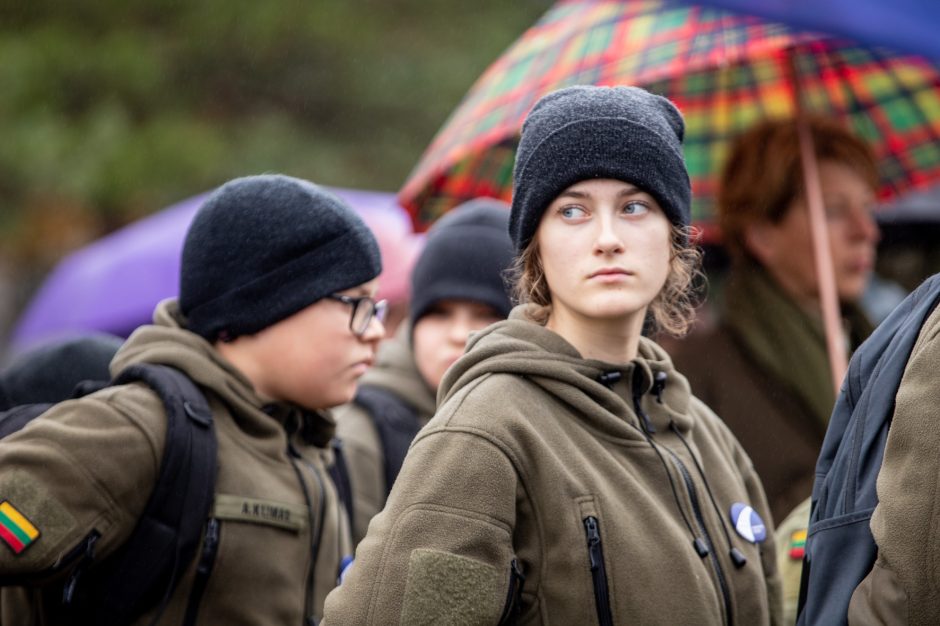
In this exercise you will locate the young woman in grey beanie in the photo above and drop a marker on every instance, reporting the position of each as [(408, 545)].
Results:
[(569, 475)]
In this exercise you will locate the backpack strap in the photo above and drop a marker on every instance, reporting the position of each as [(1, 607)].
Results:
[(147, 568), (397, 424), (339, 474)]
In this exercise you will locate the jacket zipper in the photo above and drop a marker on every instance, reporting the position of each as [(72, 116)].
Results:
[(700, 520), (210, 548), (696, 510), (514, 595), (598, 571), (315, 523), (85, 550)]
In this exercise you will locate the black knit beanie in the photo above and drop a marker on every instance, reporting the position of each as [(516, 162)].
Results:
[(464, 258), (262, 248), (580, 133), (51, 372)]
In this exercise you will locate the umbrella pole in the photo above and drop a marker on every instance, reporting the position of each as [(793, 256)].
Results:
[(835, 341)]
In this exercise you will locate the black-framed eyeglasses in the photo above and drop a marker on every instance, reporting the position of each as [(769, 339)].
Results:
[(364, 309)]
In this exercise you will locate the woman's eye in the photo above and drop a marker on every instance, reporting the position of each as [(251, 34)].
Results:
[(572, 212), (635, 208)]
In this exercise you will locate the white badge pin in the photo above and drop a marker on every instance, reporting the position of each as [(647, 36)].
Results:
[(748, 523)]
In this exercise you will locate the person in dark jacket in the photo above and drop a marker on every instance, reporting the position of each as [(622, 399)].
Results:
[(458, 286), (275, 323), (51, 371), (569, 477), (764, 368)]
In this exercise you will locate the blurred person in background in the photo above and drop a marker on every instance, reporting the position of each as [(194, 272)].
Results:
[(275, 322), (767, 368), (457, 287), (55, 370), (568, 473), (767, 372)]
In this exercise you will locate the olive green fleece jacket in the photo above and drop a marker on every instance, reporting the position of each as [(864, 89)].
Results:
[(90, 464), (394, 371), (903, 587), (527, 458)]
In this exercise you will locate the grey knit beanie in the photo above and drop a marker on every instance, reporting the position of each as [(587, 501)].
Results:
[(465, 257), (579, 133), (262, 248)]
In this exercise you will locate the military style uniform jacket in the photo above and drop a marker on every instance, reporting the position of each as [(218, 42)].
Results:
[(395, 372), (90, 464), (903, 587), (542, 491)]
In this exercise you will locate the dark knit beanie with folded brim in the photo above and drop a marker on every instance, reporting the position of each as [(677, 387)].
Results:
[(582, 133), (264, 247), (465, 257)]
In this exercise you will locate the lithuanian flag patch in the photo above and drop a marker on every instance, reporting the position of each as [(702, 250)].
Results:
[(798, 544), (15, 530)]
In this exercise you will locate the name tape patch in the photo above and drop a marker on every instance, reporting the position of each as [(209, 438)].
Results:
[(270, 512)]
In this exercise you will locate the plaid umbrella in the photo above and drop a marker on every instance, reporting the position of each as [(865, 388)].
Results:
[(724, 70)]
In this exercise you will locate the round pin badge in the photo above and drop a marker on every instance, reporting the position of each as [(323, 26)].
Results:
[(748, 523)]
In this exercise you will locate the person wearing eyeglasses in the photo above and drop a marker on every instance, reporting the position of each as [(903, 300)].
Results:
[(457, 287), (275, 323)]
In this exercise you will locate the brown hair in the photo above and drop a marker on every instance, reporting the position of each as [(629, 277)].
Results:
[(763, 174), (673, 309)]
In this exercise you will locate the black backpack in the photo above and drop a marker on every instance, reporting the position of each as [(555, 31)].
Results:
[(144, 572), (840, 550), (397, 425)]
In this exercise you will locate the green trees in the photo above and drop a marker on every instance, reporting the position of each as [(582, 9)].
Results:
[(110, 109)]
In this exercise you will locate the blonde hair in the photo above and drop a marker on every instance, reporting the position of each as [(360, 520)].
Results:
[(672, 311)]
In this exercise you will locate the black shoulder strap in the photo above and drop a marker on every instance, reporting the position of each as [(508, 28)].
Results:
[(146, 569), (397, 424), (339, 474), (14, 419)]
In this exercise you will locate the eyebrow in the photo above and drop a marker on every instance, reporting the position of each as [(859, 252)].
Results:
[(572, 193)]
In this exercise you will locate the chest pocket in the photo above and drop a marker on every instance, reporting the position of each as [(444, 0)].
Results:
[(289, 516)]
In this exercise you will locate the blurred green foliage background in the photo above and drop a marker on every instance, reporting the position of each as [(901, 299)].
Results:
[(110, 109)]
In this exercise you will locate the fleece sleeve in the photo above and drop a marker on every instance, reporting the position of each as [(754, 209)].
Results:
[(441, 550), (84, 466), (904, 584)]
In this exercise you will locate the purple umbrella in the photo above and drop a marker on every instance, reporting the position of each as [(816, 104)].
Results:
[(113, 284), (904, 25)]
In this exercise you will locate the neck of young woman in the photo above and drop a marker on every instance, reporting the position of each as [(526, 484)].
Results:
[(613, 340)]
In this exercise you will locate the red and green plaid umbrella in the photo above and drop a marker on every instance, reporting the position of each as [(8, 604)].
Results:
[(724, 70)]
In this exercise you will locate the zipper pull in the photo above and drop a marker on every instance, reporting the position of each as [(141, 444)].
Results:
[(209, 545), (88, 555), (594, 541)]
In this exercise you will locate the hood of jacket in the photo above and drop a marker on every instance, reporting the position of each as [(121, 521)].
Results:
[(522, 347), (395, 370), (168, 342)]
